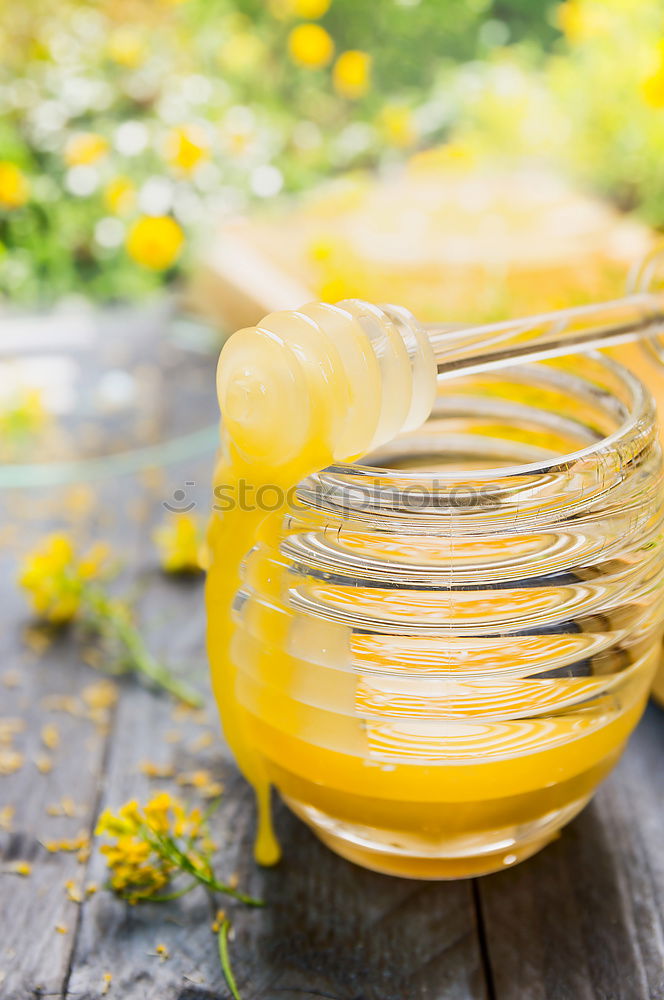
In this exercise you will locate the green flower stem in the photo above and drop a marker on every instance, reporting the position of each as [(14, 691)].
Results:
[(170, 849), (224, 958), (110, 617), (172, 895), (241, 896)]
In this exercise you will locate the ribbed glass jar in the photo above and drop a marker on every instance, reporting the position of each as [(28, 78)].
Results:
[(451, 642)]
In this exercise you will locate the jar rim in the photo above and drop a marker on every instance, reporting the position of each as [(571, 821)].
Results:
[(552, 488), (637, 427)]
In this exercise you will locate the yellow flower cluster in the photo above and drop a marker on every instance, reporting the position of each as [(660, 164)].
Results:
[(181, 545), (14, 190), (144, 856), (54, 576), (155, 842)]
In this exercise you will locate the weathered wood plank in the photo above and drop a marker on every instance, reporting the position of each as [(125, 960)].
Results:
[(33, 954), (54, 689), (584, 918)]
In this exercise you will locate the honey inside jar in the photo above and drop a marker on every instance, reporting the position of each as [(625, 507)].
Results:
[(435, 652)]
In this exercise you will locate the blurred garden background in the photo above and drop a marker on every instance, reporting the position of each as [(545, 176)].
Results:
[(131, 130)]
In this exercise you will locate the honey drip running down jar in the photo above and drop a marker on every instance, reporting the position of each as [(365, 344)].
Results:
[(435, 604)]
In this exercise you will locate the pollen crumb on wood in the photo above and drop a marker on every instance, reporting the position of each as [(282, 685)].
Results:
[(93, 657), (79, 500), (37, 639), (152, 770), (101, 695), (65, 807), (78, 843), (162, 951), (188, 713), (10, 761), (152, 477), (202, 742), (7, 814), (9, 727), (203, 781), (91, 888), (73, 891), (43, 763), (61, 929), (107, 979), (23, 868), (50, 736), (83, 854), (63, 703)]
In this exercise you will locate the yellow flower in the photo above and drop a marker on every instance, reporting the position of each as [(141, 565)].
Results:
[(26, 415), (53, 577), (155, 242), (181, 545), (337, 288), (141, 859), (23, 868), (310, 46), (320, 249), (137, 872), (85, 148), (126, 47), (14, 190), (186, 147), (397, 125), (90, 565), (309, 9), (158, 812), (242, 52), (580, 19), (652, 90), (351, 73), (450, 154), (570, 19), (117, 826), (120, 195)]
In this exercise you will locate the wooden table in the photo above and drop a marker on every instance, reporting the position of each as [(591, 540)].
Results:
[(583, 920)]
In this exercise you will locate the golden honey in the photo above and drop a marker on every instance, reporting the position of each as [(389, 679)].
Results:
[(436, 652)]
